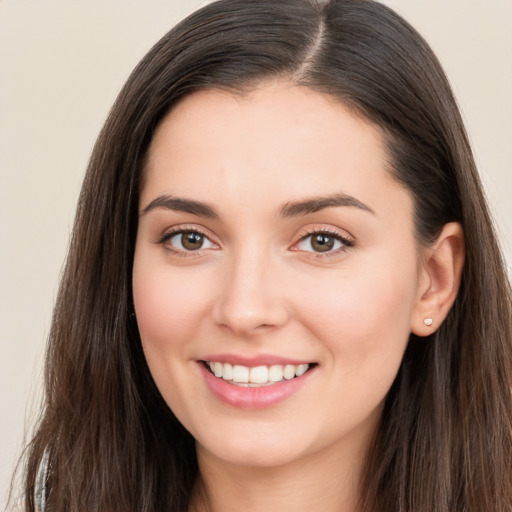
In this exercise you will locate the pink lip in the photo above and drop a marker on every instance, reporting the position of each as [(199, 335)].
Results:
[(252, 397), (251, 361)]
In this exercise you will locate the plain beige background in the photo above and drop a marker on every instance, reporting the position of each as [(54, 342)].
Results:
[(62, 63)]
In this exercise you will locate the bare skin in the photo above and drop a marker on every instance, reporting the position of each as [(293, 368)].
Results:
[(270, 230)]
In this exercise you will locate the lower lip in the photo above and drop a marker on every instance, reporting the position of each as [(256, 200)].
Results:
[(253, 397)]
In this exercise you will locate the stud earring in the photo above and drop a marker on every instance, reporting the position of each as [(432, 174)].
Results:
[(428, 322)]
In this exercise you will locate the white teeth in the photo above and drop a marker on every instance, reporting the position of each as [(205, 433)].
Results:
[(257, 375), (227, 371), (217, 369), (301, 369), (275, 373), (289, 372), (240, 373)]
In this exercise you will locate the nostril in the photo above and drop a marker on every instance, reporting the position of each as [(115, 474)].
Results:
[(249, 300)]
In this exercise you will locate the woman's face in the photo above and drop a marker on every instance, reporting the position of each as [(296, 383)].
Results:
[(272, 241)]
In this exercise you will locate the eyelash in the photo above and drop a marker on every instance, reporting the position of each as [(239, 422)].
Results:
[(346, 243), (180, 230)]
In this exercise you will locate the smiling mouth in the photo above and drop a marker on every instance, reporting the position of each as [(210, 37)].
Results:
[(256, 376)]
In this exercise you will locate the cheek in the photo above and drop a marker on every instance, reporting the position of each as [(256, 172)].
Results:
[(169, 308), (365, 316), (168, 305), (364, 326)]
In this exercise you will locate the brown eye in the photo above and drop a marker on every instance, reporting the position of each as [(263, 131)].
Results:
[(191, 241), (188, 241), (322, 242)]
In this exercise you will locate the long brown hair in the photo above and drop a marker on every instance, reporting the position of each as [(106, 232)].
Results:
[(445, 440)]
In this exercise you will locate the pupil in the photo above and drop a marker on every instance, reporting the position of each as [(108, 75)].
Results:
[(192, 241), (322, 243)]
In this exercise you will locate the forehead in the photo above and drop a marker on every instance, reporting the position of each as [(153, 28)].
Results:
[(281, 106), (280, 140)]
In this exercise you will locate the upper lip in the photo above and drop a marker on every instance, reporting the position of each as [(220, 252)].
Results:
[(255, 360)]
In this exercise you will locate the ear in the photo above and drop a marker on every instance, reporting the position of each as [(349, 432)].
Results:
[(439, 280)]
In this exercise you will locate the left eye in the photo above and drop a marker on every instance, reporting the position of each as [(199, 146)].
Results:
[(321, 242), (189, 241)]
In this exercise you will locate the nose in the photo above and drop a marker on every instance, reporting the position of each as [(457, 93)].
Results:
[(252, 295)]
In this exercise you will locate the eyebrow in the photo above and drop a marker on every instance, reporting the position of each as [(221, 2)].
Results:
[(179, 204), (315, 204), (290, 209)]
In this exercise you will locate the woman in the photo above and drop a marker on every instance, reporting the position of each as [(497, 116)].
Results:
[(283, 287)]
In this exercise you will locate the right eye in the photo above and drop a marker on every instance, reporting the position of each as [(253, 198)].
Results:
[(188, 241)]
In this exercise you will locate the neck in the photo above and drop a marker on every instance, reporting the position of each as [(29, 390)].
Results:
[(327, 481)]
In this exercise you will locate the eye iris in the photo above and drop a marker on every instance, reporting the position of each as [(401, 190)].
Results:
[(322, 243), (191, 241)]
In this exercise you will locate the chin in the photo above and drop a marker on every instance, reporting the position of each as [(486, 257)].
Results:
[(261, 446), (252, 456)]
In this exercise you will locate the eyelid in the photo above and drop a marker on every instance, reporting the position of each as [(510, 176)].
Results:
[(184, 228), (177, 228), (341, 235)]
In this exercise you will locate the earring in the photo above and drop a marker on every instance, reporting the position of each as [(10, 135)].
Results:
[(428, 322)]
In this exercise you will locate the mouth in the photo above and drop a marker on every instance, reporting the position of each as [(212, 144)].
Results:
[(256, 376)]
